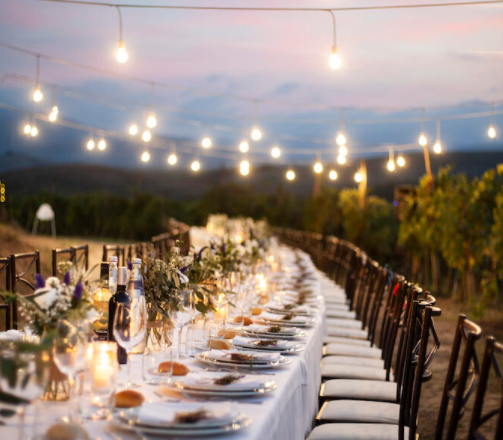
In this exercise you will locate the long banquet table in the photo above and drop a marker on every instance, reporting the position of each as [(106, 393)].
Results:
[(287, 413)]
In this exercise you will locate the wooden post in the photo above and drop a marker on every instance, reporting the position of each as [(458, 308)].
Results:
[(427, 165), (362, 186)]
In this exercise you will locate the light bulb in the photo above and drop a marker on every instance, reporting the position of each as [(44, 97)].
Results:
[(256, 134), (37, 95), (391, 165), (340, 139), (102, 145), (335, 61), (423, 140), (341, 160), (90, 144), (437, 148), (146, 136), (121, 55), (343, 150), (172, 159), (195, 166), (400, 161), (275, 152), (133, 130), (27, 129), (34, 131), (491, 132), (145, 157), (151, 121), (53, 116), (244, 147), (358, 177), (244, 168), (318, 167), (290, 175), (332, 175), (55, 109), (206, 142)]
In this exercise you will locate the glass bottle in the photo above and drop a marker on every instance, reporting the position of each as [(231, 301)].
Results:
[(101, 301), (120, 296), (112, 283), (136, 290)]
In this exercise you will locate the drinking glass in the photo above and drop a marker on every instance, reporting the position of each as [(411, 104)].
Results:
[(23, 377), (157, 364), (69, 354), (183, 315), (213, 329), (130, 327)]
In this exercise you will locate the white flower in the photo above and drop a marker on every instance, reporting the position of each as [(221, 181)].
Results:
[(45, 297), (184, 279)]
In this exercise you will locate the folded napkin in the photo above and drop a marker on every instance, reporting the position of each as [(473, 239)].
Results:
[(206, 380), (220, 355), (165, 413), (256, 328), (298, 308), (275, 317), (11, 335), (251, 343)]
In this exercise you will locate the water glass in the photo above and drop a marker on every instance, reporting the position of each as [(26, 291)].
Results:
[(157, 365), (194, 338)]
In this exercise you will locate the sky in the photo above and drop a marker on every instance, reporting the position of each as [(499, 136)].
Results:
[(394, 62)]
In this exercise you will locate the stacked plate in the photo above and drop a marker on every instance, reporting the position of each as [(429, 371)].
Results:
[(287, 320), (239, 359), (268, 344), (274, 331)]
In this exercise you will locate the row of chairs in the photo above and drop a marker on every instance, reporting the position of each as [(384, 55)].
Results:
[(379, 348)]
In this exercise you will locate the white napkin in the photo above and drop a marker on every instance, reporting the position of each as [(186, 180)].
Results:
[(11, 335), (248, 342), (164, 413), (205, 380), (220, 355), (298, 308), (263, 329), (275, 317)]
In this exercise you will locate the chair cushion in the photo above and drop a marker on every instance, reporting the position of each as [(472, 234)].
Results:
[(336, 299), (359, 390), (356, 333), (336, 307), (353, 360), (344, 323), (332, 371), (356, 431), (345, 314), (359, 411), (352, 350), (341, 340)]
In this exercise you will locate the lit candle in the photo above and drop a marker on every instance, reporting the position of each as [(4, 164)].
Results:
[(104, 368)]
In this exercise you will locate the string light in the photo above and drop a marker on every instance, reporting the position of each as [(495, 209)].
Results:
[(358, 177), (102, 145), (332, 175), (34, 131), (391, 161), (27, 129), (423, 140), (121, 56), (145, 157), (90, 144), (341, 160), (256, 134), (53, 116), (244, 147), (146, 136), (340, 139), (172, 159), (290, 175), (206, 142), (437, 148), (195, 166), (318, 167), (491, 132), (275, 152), (343, 150), (244, 168), (37, 94), (400, 161), (151, 121), (334, 61), (133, 130)]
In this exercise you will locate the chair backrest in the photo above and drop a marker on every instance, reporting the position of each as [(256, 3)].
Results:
[(23, 270), (65, 254), (458, 388), (493, 357), (5, 284), (114, 250), (81, 257)]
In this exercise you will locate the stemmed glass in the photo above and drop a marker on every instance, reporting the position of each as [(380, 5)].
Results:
[(183, 314), (69, 354), (23, 377), (130, 328)]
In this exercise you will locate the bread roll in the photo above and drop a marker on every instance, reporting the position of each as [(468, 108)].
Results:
[(245, 319), (220, 344), (128, 399), (256, 310), (66, 431), (228, 333), (178, 368)]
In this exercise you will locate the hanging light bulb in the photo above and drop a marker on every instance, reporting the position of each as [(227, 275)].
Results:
[(102, 145), (332, 175), (335, 60), (343, 150), (133, 130), (34, 131), (423, 140), (53, 116), (275, 152), (27, 129), (172, 159), (206, 143), (37, 94), (244, 168), (151, 121), (244, 147), (400, 161), (341, 160), (121, 56), (391, 165), (340, 139), (90, 144), (146, 136), (195, 166), (437, 148), (55, 109), (145, 157), (256, 134), (491, 132), (318, 167), (359, 177), (290, 175)]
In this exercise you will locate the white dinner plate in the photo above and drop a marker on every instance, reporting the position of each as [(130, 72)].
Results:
[(283, 361)]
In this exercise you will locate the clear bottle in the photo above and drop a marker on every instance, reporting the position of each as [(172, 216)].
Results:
[(136, 291), (122, 297), (112, 282), (101, 301)]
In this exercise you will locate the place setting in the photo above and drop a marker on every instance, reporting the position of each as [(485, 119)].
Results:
[(238, 359)]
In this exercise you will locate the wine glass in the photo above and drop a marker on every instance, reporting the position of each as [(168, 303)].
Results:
[(69, 354), (130, 328), (23, 376), (213, 329), (183, 315)]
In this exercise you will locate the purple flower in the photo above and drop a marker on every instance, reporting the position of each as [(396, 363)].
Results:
[(39, 281), (212, 247), (77, 293), (185, 268), (66, 278), (129, 265), (200, 254), (223, 247)]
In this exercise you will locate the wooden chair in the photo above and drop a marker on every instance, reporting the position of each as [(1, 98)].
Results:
[(23, 268), (114, 250), (81, 257), (5, 275), (61, 254)]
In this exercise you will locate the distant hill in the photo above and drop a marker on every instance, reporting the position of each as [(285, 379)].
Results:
[(184, 185)]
